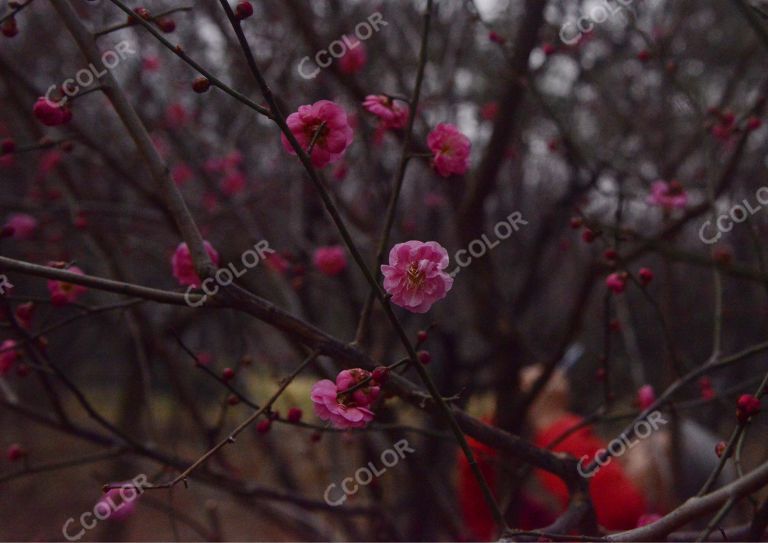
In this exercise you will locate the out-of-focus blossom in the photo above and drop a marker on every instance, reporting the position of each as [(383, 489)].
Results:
[(450, 149), (331, 260), (63, 293), (176, 115), (23, 225), (8, 355), (50, 113), (668, 195), (181, 173), (354, 59), (233, 183), (184, 267), (116, 500)]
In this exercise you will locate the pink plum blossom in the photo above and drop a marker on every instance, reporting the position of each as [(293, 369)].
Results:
[(335, 136), (50, 113), (391, 113), (183, 266), (345, 410), (63, 293), (363, 396), (330, 260), (354, 59), (23, 225), (415, 275), (617, 282), (450, 149), (118, 502), (645, 396), (668, 195)]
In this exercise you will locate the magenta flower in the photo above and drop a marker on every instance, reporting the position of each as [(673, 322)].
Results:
[(8, 355), (63, 293), (617, 282), (450, 150), (183, 266), (645, 397), (354, 59), (121, 502), (23, 225), (391, 113), (668, 195), (341, 410), (335, 136), (330, 260), (415, 275), (50, 113)]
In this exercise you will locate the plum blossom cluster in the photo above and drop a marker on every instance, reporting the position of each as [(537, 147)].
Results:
[(348, 49), (330, 260), (345, 403), (323, 130), (5, 285)]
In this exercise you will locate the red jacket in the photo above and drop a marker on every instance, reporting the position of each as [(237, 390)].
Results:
[(617, 501)]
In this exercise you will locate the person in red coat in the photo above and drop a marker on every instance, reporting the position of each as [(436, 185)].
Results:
[(618, 499)]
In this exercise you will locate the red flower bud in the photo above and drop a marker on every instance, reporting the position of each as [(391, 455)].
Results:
[(243, 10), (264, 426), (227, 374), (9, 28), (646, 275), (201, 85), (166, 25), (746, 406), (720, 448), (380, 374), (294, 414), (424, 357)]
